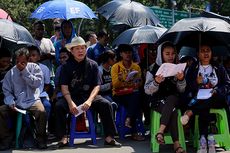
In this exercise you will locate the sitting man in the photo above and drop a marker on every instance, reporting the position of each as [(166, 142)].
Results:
[(21, 90), (80, 85)]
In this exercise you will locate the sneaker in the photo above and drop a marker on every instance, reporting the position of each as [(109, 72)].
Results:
[(112, 143), (211, 144), (203, 145)]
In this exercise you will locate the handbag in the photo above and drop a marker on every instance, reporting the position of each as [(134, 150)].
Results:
[(124, 91), (154, 102)]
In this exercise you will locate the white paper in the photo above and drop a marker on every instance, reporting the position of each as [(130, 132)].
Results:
[(80, 111), (131, 75), (169, 69), (204, 93), (20, 110)]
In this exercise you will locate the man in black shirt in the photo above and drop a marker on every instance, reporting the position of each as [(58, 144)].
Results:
[(5, 66), (80, 85)]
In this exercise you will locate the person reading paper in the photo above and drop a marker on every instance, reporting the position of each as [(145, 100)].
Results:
[(206, 76), (165, 93)]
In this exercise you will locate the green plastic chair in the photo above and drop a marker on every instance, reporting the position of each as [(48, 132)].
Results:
[(18, 129), (222, 138), (155, 124)]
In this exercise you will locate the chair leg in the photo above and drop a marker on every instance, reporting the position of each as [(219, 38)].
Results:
[(18, 129), (91, 127), (155, 124), (181, 132), (72, 130)]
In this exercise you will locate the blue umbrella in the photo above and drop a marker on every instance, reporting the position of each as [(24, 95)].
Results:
[(64, 9)]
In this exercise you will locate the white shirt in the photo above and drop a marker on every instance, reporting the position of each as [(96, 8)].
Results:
[(46, 79)]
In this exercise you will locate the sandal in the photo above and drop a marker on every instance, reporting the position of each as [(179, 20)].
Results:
[(160, 138), (184, 119), (138, 137), (179, 150), (128, 122)]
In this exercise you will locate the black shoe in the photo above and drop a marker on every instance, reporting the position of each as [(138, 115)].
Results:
[(61, 144), (112, 143), (41, 146), (3, 148)]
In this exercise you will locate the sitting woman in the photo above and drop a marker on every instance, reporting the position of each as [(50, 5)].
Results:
[(209, 77), (126, 80), (165, 92)]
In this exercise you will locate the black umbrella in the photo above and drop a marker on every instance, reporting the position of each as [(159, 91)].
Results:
[(214, 15), (144, 34), (191, 31), (128, 12), (13, 35)]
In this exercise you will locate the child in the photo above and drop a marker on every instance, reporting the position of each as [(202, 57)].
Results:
[(107, 59), (34, 56)]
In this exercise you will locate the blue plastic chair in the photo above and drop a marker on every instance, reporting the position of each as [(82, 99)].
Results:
[(120, 123), (89, 134)]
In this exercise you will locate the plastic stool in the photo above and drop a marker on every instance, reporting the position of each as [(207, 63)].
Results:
[(19, 126), (90, 134), (98, 125), (155, 124), (120, 123), (222, 137)]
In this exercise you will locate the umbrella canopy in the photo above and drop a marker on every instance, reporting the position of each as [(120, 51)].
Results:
[(13, 35), (191, 31), (214, 15), (128, 12), (144, 34), (4, 15), (64, 9)]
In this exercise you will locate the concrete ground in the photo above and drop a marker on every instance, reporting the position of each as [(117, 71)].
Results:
[(85, 146)]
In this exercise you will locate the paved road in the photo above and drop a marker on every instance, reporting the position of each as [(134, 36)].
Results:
[(84, 146)]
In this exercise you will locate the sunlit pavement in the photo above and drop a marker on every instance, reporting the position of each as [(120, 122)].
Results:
[(85, 146)]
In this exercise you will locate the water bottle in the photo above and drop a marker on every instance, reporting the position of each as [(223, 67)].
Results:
[(203, 144), (205, 80), (211, 144), (193, 101)]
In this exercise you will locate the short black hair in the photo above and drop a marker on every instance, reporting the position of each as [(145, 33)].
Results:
[(167, 44), (104, 57), (5, 53), (102, 33), (63, 50), (124, 47), (38, 22), (90, 34), (32, 48)]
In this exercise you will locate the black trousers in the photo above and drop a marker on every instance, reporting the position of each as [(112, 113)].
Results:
[(100, 105), (169, 115), (202, 108)]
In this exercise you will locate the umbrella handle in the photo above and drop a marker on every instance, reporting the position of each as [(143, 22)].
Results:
[(79, 27)]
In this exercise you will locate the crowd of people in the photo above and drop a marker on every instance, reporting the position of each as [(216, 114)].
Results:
[(51, 79)]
